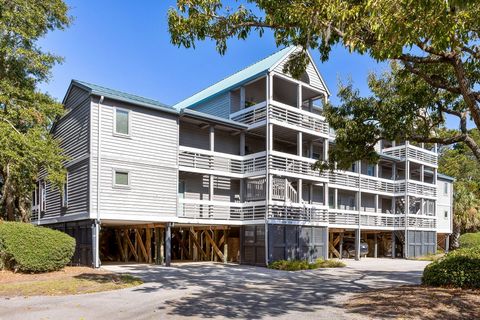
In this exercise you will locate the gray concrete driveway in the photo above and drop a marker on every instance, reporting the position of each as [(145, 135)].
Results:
[(206, 290)]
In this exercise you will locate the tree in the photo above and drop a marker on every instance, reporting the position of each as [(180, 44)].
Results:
[(433, 44), (459, 162), (26, 114)]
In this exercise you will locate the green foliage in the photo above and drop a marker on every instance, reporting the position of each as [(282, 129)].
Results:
[(296, 265), (434, 46), (470, 240), (26, 115), (28, 248), (459, 268)]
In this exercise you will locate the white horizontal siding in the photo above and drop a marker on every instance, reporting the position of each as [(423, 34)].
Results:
[(150, 156), (315, 80), (218, 106)]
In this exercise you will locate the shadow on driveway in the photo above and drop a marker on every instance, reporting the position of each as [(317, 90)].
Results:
[(238, 291)]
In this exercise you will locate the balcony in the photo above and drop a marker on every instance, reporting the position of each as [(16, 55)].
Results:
[(298, 212), (205, 161), (294, 166), (219, 210), (284, 115), (415, 154), (417, 188)]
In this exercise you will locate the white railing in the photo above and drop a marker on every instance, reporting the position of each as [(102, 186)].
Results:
[(256, 189), (298, 212), (296, 117), (377, 184), (413, 153), (283, 190), (220, 210), (422, 222), (210, 160), (344, 178), (416, 187), (251, 114), (289, 163)]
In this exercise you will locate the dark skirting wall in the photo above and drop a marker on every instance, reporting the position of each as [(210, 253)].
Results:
[(82, 232), (285, 242), (421, 243), (288, 242)]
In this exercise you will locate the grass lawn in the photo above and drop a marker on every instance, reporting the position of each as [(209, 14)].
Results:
[(71, 280), (469, 240), (417, 302)]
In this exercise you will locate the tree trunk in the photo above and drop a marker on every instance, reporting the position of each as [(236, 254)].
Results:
[(24, 209), (455, 237), (9, 204)]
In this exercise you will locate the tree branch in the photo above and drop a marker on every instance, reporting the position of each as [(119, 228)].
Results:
[(433, 82)]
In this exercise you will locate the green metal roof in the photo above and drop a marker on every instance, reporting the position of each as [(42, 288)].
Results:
[(236, 79), (122, 96)]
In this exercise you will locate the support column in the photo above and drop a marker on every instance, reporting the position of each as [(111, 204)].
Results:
[(335, 198), (300, 154), (375, 245), (341, 245), (357, 244), (376, 202), (447, 243), (225, 246), (168, 244), (310, 193), (96, 244), (158, 246), (242, 153), (393, 244), (325, 149), (299, 96)]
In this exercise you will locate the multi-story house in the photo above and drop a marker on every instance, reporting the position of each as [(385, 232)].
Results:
[(227, 175)]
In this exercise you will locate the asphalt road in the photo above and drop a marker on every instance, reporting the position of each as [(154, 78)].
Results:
[(217, 291)]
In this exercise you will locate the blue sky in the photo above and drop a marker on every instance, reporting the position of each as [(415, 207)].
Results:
[(126, 46)]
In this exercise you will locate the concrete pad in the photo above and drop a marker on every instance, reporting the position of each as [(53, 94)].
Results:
[(209, 290)]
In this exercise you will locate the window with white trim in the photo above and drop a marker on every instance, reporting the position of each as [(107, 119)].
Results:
[(445, 188), (122, 122), (121, 178), (445, 214), (65, 193)]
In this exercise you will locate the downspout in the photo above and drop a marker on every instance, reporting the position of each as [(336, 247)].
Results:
[(97, 220)]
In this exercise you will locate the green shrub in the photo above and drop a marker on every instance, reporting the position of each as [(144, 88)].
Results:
[(459, 268), (296, 265), (28, 248), (468, 240)]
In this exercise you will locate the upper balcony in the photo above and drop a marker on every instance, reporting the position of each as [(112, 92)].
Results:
[(413, 153)]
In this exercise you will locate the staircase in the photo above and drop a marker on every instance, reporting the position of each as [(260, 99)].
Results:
[(283, 190)]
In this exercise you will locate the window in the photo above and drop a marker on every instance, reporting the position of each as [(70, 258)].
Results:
[(445, 214), (43, 196), (121, 178), (445, 188), (65, 193), (371, 170), (122, 122)]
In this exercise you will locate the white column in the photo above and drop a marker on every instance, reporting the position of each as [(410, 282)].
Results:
[(212, 138), (325, 149), (376, 170), (325, 194), (422, 173), (335, 198), (299, 96), (376, 202), (300, 190), (299, 144), (242, 153)]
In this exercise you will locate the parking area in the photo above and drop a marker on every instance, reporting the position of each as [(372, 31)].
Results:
[(209, 290)]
